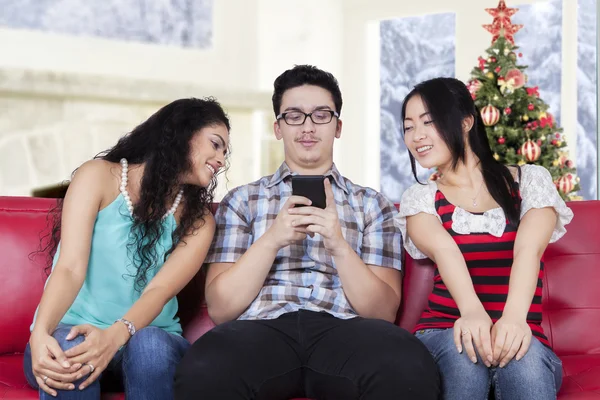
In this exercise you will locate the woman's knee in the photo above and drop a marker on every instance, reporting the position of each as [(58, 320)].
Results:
[(61, 333), (538, 363), (456, 369), (153, 351)]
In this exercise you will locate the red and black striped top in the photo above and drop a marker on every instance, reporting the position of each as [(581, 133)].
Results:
[(489, 260)]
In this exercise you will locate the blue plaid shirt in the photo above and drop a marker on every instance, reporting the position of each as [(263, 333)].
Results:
[(303, 275)]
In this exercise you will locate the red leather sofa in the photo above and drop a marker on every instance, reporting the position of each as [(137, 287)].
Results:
[(571, 296)]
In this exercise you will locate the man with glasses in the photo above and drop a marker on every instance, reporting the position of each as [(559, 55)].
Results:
[(305, 298)]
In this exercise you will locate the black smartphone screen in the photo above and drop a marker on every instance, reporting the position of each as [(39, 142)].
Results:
[(311, 187)]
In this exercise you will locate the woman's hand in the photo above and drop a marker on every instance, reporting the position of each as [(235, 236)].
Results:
[(50, 366), (94, 354), (510, 336), (474, 327)]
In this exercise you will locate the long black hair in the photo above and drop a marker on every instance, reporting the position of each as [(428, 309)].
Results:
[(162, 144), (449, 102)]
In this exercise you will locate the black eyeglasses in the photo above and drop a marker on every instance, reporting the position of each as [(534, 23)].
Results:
[(318, 117)]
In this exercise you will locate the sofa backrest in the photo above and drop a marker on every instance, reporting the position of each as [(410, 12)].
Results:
[(21, 278), (571, 281), (571, 297)]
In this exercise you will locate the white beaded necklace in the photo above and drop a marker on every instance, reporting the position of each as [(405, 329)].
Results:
[(123, 189)]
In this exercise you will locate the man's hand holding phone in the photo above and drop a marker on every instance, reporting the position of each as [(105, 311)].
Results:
[(325, 222), (283, 232)]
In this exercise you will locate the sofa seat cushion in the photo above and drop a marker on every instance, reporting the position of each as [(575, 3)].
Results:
[(11, 372), (581, 377)]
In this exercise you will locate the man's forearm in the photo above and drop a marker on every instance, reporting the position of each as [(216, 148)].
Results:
[(232, 291), (369, 296)]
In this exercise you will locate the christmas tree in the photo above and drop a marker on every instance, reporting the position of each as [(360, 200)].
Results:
[(519, 127)]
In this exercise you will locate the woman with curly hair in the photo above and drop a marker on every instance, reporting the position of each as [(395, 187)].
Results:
[(135, 227)]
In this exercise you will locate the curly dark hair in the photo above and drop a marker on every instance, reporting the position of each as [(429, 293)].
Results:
[(162, 144)]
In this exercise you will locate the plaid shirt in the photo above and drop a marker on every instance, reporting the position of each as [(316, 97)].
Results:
[(303, 275)]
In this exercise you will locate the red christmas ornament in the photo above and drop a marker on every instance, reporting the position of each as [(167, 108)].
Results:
[(507, 111), (531, 150), (546, 119), (517, 77), (569, 164), (490, 115), (520, 54), (530, 107), (493, 59), (498, 69), (554, 142), (533, 91), (557, 135), (501, 140), (565, 184), (473, 86), (481, 63)]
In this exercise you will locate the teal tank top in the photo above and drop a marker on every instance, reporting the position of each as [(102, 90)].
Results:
[(108, 291)]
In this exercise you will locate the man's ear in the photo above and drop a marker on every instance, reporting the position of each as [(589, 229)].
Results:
[(338, 129), (277, 130)]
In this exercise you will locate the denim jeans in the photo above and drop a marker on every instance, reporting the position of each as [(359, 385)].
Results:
[(145, 365), (538, 375)]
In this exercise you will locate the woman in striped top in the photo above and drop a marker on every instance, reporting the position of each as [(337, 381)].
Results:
[(485, 226)]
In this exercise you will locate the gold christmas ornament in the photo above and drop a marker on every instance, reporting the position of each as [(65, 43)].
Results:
[(496, 156), (525, 118), (489, 75)]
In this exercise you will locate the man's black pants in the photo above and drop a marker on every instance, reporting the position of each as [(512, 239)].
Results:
[(307, 354)]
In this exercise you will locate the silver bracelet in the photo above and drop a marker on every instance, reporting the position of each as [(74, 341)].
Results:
[(129, 325)]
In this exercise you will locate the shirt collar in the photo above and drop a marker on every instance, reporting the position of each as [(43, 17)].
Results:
[(284, 171)]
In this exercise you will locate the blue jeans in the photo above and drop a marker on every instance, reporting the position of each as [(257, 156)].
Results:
[(146, 365), (538, 375)]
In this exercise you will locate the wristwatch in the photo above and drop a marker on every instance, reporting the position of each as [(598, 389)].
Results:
[(128, 324)]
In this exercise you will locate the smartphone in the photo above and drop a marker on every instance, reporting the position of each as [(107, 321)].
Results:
[(311, 187)]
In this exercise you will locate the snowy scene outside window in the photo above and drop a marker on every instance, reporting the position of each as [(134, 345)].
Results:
[(412, 50), (587, 141), (185, 23)]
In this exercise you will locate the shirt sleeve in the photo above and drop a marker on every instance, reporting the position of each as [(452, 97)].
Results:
[(381, 243), (233, 234), (538, 191), (417, 199)]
